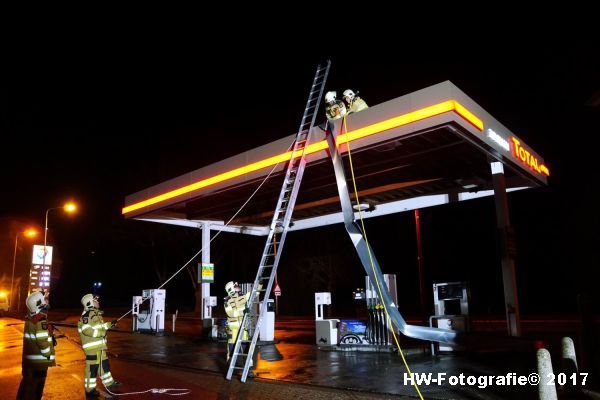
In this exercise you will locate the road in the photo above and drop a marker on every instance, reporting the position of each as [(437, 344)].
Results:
[(64, 381)]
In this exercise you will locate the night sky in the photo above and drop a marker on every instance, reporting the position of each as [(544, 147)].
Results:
[(98, 120)]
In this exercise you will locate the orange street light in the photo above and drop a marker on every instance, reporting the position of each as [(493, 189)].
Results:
[(69, 208), (28, 233)]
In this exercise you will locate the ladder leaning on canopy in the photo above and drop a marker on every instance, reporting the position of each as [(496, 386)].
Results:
[(279, 226)]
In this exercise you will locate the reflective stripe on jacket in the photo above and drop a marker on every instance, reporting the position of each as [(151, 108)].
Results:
[(335, 111), (38, 350), (92, 331)]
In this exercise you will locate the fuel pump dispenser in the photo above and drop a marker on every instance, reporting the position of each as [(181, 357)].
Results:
[(327, 329), (210, 324), (267, 327), (149, 311), (374, 334), (451, 304), (378, 327)]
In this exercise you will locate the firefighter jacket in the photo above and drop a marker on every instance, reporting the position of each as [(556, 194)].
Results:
[(357, 105), (234, 307), (335, 111), (92, 331), (38, 348)]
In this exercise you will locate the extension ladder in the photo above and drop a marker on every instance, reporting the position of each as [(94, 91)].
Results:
[(278, 228)]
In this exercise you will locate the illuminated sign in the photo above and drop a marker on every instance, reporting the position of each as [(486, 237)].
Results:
[(206, 272), (379, 127), (499, 140), (527, 158), (39, 277), (38, 255), (519, 152)]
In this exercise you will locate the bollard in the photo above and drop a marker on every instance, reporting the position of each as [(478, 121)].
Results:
[(544, 369), (569, 361), (568, 356), (173, 324)]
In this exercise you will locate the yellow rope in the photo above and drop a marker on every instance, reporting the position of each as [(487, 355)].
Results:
[(362, 223)]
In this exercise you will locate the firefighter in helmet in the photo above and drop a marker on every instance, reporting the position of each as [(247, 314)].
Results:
[(92, 331), (38, 347), (335, 109), (353, 102), (235, 305)]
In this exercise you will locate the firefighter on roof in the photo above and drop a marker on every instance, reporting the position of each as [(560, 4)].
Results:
[(335, 109), (353, 102)]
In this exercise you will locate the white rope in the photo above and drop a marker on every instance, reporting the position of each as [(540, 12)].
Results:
[(153, 390), (219, 232)]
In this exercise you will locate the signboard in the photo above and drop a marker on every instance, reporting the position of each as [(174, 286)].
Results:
[(39, 277), (206, 273), (519, 151), (528, 158), (277, 290), (38, 255)]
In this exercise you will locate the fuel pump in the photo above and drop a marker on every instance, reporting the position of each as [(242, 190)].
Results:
[(378, 329), (267, 327), (451, 303), (370, 335), (149, 311), (327, 329)]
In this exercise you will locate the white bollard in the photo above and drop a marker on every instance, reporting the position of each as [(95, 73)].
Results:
[(544, 367), (569, 362), (568, 356), (174, 319)]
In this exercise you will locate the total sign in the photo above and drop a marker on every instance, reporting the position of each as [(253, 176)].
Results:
[(38, 255), (518, 150)]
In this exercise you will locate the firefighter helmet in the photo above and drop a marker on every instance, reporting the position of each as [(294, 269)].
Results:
[(232, 288), (36, 302), (349, 93), (88, 301), (330, 97)]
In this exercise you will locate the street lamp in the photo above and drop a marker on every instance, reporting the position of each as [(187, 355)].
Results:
[(28, 233), (69, 208)]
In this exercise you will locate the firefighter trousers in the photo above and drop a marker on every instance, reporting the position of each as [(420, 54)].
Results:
[(32, 383), (97, 364), (232, 337)]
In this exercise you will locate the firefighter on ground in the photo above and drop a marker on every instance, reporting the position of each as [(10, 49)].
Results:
[(235, 307), (353, 102), (92, 331), (38, 347), (335, 109)]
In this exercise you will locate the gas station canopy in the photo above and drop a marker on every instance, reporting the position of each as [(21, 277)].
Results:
[(426, 148)]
